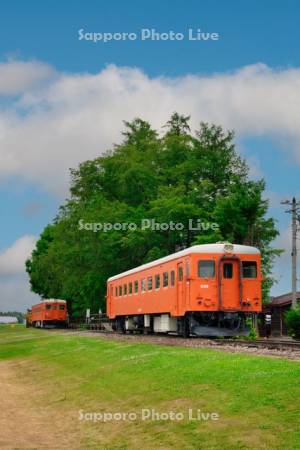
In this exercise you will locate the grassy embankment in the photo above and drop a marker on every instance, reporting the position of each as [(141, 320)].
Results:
[(55, 375)]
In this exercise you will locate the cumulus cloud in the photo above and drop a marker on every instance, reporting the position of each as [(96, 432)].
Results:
[(15, 291), (15, 294), (52, 126), (12, 259), (17, 76)]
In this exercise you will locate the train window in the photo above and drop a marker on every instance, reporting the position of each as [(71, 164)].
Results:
[(172, 277), (157, 281), (165, 279), (120, 290), (130, 287), (180, 273), (116, 292), (48, 306), (62, 307), (149, 283), (143, 285), (136, 286), (125, 289), (206, 268), (187, 269), (227, 270), (249, 269)]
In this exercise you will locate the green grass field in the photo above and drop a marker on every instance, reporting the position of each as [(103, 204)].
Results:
[(57, 375)]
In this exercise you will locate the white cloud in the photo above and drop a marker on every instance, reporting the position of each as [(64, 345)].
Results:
[(15, 291), (12, 259), (74, 117), (15, 294), (17, 76)]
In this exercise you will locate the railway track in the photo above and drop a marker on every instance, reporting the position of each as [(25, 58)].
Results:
[(275, 344), (194, 341)]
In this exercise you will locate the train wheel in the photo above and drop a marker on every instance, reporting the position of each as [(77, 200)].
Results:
[(120, 325), (185, 326)]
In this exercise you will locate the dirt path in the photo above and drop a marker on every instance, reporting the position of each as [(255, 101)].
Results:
[(25, 423)]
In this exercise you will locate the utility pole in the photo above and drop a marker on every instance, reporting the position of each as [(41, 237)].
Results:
[(294, 211)]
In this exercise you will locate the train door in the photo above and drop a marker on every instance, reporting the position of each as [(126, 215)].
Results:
[(109, 295), (230, 284), (180, 287)]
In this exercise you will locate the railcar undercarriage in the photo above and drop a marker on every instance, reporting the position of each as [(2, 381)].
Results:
[(202, 324), (219, 324)]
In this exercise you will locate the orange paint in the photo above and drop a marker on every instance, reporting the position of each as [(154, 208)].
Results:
[(48, 311), (200, 279)]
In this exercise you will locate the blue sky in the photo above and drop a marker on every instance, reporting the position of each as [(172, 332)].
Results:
[(266, 31), (55, 66)]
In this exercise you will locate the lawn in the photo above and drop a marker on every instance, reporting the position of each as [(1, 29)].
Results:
[(55, 379)]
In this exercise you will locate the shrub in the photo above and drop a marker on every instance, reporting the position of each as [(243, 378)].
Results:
[(252, 335), (292, 320)]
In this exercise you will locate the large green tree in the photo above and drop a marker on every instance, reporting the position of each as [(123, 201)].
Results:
[(174, 177)]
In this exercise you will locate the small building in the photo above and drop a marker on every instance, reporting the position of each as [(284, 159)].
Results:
[(277, 307), (8, 319)]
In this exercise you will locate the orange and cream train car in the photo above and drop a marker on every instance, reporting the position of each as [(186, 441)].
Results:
[(205, 290), (48, 312)]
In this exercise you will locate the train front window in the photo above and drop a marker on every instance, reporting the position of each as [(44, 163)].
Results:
[(180, 273), (206, 268), (172, 278), (227, 270), (187, 268), (249, 269)]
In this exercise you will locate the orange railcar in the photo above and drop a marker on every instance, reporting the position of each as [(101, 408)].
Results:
[(48, 312), (204, 290)]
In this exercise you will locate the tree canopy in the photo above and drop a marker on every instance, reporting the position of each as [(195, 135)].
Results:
[(177, 176)]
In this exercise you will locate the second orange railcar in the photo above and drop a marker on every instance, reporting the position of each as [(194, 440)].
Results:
[(48, 312)]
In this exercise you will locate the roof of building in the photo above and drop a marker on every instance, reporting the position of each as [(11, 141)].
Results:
[(8, 319), (284, 299), (206, 248)]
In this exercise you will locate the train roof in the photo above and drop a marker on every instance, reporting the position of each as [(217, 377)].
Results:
[(221, 248), (50, 300), (46, 300)]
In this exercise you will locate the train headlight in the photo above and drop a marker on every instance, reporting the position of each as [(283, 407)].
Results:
[(228, 248)]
